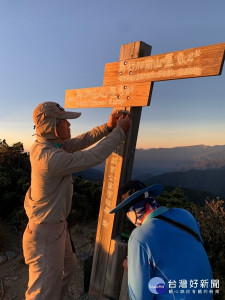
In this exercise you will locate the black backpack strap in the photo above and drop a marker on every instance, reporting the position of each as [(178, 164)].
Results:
[(180, 226)]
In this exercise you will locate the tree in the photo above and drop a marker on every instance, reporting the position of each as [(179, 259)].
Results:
[(14, 178)]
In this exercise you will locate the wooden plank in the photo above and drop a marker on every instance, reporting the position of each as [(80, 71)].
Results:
[(114, 274), (189, 63), (109, 96), (105, 224), (124, 294), (109, 226)]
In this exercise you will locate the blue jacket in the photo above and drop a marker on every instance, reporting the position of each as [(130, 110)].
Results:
[(159, 249)]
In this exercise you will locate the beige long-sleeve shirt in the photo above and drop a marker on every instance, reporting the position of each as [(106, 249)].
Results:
[(49, 197)]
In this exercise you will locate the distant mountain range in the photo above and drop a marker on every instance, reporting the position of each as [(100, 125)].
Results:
[(158, 161), (212, 181), (199, 168), (91, 174)]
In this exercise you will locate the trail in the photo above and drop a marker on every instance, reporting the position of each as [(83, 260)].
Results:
[(14, 272)]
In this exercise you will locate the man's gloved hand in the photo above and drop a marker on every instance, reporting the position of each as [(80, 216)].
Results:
[(113, 118), (124, 123)]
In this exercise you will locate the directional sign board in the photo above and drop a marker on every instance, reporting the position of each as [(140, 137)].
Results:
[(195, 62), (110, 96)]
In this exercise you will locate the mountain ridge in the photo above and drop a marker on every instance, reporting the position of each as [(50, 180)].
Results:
[(212, 180), (160, 160), (196, 167)]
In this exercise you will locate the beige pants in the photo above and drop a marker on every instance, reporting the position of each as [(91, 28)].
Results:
[(48, 252)]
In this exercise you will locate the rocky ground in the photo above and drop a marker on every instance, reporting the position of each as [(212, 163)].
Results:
[(14, 272)]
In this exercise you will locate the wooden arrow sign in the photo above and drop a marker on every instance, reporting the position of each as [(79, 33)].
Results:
[(195, 62), (110, 96)]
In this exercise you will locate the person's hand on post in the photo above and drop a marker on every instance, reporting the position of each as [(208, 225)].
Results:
[(113, 118), (124, 123), (125, 264)]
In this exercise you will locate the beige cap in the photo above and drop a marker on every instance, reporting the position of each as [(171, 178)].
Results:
[(51, 110)]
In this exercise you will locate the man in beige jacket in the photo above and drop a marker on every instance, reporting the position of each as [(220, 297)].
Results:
[(54, 157)]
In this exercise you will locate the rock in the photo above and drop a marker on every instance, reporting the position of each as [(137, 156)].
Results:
[(10, 255), (6, 278), (15, 278), (3, 258)]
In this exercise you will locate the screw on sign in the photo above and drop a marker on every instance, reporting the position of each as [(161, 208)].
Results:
[(127, 86)]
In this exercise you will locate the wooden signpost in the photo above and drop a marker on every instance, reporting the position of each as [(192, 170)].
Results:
[(128, 84)]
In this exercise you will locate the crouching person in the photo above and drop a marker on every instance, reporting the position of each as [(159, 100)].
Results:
[(166, 257)]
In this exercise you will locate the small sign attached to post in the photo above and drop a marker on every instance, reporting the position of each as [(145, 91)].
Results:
[(110, 96)]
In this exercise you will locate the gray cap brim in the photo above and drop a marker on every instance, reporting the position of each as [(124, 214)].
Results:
[(69, 115)]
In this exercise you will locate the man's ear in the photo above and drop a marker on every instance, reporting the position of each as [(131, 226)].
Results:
[(127, 194)]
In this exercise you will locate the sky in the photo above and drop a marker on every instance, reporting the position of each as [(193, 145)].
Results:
[(50, 46)]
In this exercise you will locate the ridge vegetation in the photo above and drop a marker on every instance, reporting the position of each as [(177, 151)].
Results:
[(15, 180)]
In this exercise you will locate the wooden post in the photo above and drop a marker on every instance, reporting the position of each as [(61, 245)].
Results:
[(124, 287), (117, 171), (128, 85), (114, 273), (82, 273)]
